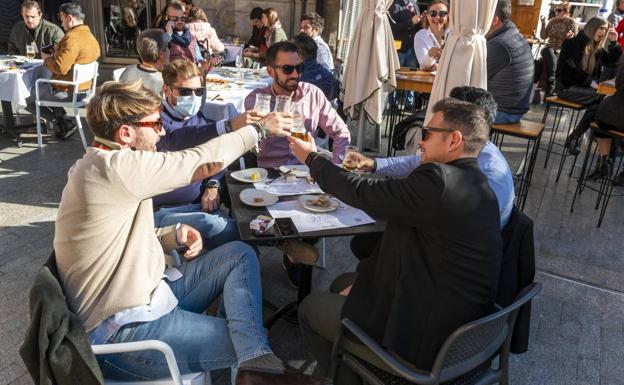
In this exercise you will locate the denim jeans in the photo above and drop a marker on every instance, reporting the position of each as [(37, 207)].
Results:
[(215, 227), (408, 59), (505, 118), (200, 342)]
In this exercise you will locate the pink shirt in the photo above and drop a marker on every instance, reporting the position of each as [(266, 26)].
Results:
[(274, 151)]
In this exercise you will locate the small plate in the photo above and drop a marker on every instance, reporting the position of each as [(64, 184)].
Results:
[(246, 175), (299, 170), (257, 198), (306, 199), (218, 86)]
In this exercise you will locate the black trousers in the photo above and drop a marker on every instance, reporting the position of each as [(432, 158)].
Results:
[(549, 56), (584, 95)]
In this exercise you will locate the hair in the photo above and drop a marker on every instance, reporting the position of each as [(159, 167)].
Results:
[(256, 14), (281, 46), (316, 20), (272, 15), (29, 4), (425, 22), (589, 57), (177, 5), (150, 43), (477, 96), (566, 6), (115, 104), (470, 120), (197, 13), (179, 69), (306, 46), (72, 9), (503, 10), (188, 2)]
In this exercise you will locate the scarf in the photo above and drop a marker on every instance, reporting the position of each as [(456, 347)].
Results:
[(268, 34)]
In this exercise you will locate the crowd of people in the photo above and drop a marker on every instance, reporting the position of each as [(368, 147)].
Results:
[(152, 184)]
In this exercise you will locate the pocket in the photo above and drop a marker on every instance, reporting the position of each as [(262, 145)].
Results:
[(124, 334)]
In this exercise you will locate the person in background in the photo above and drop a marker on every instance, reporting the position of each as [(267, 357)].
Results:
[(579, 70), (313, 72), (153, 48), (78, 46), (205, 35), (312, 25), (429, 41), (617, 15), (405, 21), (558, 29), (620, 31), (182, 44), (274, 33), (188, 7), (257, 39), (33, 29), (510, 66)]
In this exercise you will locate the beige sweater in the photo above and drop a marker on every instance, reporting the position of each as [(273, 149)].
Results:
[(108, 255)]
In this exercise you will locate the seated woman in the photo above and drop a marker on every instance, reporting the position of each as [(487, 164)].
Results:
[(273, 33), (557, 30), (429, 41), (205, 35), (579, 70)]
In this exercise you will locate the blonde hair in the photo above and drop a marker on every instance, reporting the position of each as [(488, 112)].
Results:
[(566, 6), (425, 21), (115, 104), (271, 15), (179, 69), (592, 47), (197, 13)]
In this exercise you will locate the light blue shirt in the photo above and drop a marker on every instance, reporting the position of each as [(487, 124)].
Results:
[(491, 161)]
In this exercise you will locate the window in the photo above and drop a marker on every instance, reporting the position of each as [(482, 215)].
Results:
[(123, 20)]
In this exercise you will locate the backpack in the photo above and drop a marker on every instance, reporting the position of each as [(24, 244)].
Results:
[(401, 130)]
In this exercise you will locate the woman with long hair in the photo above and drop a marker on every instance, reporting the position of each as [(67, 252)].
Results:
[(205, 35), (429, 41), (274, 31)]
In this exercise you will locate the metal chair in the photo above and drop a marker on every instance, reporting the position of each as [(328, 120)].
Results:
[(82, 74), (461, 358)]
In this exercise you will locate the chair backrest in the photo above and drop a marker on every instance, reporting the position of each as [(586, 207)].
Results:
[(84, 73), (474, 343)]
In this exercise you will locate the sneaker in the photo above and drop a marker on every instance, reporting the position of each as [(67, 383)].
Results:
[(293, 272)]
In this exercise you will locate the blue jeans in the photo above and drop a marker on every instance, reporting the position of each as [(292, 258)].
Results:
[(505, 118), (408, 59), (200, 342), (215, 227)]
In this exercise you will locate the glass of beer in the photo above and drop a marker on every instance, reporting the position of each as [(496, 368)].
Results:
[(298, 127), (282, 103), (263, 104), (30, 51), (350, 161)]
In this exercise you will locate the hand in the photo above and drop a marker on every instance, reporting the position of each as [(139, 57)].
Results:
[(612, 34), (543, 19), (594, 85), (435, 52), (169, 27), (364, 163), (301, 149), (189, 237), (278, 123), (570, 34), (44, 55), (416, 19), (244, 119), (205, 65), (345, 292), (210, 199)]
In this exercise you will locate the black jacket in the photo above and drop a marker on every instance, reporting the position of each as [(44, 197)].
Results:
[(510, 69), (56, 349), (438, 262), (611, 109), (401, 23), (569, 65), (517, 272)]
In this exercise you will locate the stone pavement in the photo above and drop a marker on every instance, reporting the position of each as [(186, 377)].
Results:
[(577, 330)]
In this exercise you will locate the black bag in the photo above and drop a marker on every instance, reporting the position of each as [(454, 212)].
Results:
[(403, 127)]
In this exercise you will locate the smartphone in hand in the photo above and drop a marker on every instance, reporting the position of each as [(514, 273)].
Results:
[(48, 49)]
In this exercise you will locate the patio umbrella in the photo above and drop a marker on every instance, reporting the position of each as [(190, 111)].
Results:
[(464, 59), (371, 65)]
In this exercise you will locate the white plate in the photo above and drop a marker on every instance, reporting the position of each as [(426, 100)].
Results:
[(300, 170), (245, 175), (257, 198), (304, 200)]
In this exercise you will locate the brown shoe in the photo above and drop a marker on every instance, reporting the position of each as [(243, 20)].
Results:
[(248, 376)]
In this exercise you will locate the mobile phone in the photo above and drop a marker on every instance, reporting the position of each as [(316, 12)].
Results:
[(286, 226), (48, 49)]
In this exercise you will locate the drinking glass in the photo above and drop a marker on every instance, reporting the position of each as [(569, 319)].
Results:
[(298, 127), (236, 40), (282, 103), (30, 51), (256, 66), (350, 162), (239, 61), (263, 104)]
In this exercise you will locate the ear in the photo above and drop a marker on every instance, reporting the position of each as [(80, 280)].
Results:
[(270, 71), (456, 142), (125, 135)]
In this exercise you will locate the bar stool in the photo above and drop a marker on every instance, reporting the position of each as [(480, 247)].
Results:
[(560, 105), (532, 132), (606, 184)]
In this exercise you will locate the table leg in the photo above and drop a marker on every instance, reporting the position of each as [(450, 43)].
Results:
[(9, 123), (305, 288)]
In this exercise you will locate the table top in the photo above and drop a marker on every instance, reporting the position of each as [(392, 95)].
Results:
[(419, 81), (244, 214)]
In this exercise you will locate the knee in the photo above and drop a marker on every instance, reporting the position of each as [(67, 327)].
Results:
[(243, 254)]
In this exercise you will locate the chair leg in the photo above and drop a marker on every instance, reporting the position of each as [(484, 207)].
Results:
[(581, 178), (553, 133), (39, 137), (79, 125)]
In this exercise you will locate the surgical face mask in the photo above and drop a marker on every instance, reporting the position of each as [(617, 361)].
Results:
[(187, 105)]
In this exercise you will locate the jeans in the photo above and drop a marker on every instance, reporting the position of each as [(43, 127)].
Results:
[(505, 118), (215, 228), (408, 59), (51, 94), (200, 342), (550, 65)]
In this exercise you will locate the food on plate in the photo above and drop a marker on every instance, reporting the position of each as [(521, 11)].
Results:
[(258, 200), (291, 178), (217, 80), (255, 176), (320, 201)]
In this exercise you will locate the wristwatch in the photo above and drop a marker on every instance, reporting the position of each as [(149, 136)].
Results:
[(228, 125), (261, 130), (213, 184)]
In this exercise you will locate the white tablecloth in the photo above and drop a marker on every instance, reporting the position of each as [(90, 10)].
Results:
[(17, 85)]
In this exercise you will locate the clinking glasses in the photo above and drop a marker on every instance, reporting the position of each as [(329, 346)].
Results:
[(184, 91), (435, 13), (288, 69)]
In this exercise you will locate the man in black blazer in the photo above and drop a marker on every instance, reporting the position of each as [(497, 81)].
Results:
[(438, 263)]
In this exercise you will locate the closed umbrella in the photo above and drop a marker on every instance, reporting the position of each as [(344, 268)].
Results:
[(371, 65)]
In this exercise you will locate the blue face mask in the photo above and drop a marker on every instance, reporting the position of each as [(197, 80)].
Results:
[(187, 105)]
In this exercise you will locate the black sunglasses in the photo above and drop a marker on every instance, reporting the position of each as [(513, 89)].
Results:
[(425, 131), (435, 13), (288, 69), (176, 19), (184, 91), (558, 10)]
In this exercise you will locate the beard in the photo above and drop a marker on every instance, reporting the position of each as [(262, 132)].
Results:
[(141, 144), (290, 84)]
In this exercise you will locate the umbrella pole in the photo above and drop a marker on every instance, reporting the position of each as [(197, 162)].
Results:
[(360, 133)]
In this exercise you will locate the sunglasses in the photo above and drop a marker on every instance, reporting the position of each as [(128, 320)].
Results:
[(288, 69), (425, 131), (435, 13), (156, 125), (558, 10), (184, 91), (176, 19)]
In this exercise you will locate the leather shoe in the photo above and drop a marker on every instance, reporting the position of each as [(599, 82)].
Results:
[(249, 376)]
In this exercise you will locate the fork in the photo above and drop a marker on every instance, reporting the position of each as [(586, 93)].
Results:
[(281, 176)]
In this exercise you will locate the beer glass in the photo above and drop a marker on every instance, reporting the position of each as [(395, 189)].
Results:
[(263, 104), (282, 103), (298, 127), (30, 51), (350, 162)]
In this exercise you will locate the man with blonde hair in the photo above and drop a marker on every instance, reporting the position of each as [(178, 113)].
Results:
[(112, 265)]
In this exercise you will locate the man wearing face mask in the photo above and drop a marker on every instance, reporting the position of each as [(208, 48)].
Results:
[(197, 204)]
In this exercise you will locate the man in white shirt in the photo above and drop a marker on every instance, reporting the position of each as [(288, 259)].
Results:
[(153, 48), (312, 25)]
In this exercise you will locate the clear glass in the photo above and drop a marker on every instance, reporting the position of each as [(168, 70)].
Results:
[(298, 128), (349, 162), (30, 51), (239, 61), (282, 103), (263, 104), (256, 65)]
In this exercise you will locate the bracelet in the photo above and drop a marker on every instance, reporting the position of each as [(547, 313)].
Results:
[(228, 125), (261, 130), (178, 225)]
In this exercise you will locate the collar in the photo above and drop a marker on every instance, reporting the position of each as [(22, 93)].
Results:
[(143, 68), (297, 94), (105, 144)]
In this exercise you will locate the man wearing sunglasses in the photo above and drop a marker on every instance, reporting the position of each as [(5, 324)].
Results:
[(182, 45), (285, 65), (439, 260)]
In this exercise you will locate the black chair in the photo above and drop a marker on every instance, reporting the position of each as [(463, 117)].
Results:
[(463, 359)]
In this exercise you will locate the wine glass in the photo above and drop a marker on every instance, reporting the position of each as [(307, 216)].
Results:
[(239, 61)]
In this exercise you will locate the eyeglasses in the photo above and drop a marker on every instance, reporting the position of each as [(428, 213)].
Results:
[(177, 19), (558, 10), (288, 69), (435, 13), (184, 91), (425, 131), (155, 125)]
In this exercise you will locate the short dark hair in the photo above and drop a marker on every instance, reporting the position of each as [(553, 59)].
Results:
[(256, 14), (316, 20), (306, 46), (503, 10), (28, 4), (177, 5), (467, 118), (274, 49), (477, 96), (72, 9)]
